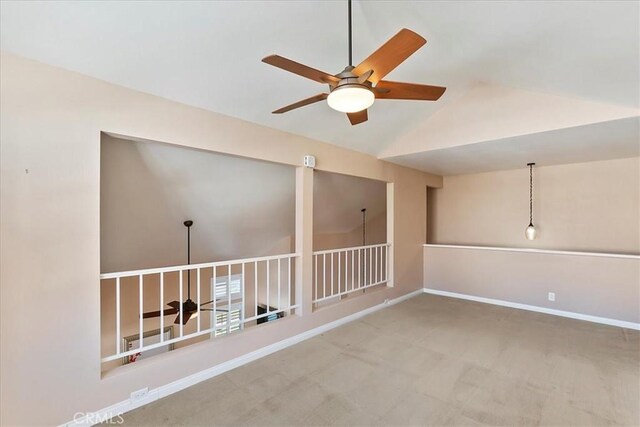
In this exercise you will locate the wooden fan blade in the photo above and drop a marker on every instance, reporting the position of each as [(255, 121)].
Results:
[(185, 317), (357, 118), (175, 304), (157, 313), (300, 69), (396, 90), (312, 100), (391, 54), (211, 309)]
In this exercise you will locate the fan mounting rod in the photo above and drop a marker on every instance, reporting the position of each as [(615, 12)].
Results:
[(350, 38)]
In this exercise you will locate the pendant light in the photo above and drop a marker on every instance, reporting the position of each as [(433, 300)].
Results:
[(530, 232)]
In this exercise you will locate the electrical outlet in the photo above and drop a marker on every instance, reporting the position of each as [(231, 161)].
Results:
[(139, 394), (552, 296)]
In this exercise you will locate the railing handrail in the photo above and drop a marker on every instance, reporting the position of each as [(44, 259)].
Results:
[(534, 250), (328, 251), (157, 270)]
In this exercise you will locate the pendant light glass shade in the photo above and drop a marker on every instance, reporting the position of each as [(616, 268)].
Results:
[(530, 232)]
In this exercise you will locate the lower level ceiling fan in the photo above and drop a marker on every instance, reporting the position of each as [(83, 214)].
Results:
[(355, 89), (189, 307)]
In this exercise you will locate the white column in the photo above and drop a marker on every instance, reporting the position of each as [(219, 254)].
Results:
[(304, 240), (390, 222)]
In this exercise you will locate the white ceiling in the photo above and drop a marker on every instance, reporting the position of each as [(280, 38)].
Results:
[(568, 145), (207, 54)]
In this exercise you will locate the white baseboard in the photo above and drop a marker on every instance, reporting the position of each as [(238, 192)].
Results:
[(119, 408), (561, 313)]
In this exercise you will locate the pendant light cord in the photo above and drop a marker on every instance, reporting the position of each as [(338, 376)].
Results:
[(350, 40), (188, 224), (189, 262), (364, 226), (530, 193)]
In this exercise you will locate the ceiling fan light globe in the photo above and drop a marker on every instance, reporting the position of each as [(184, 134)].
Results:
[(350, 98)]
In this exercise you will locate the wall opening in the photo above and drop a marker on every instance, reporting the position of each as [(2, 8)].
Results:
[(337, 211), (432, 215), (350, 243), (242, 209)]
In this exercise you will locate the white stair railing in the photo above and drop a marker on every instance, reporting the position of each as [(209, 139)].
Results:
[(268, 279), (338, 272)]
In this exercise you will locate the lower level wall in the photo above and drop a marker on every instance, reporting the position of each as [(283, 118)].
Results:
[(376, 233), (606, 287)]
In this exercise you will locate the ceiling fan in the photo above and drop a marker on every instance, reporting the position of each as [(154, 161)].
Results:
[(189, 307), (355, 89)]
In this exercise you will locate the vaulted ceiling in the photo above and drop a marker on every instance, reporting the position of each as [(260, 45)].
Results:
[(526, 80)]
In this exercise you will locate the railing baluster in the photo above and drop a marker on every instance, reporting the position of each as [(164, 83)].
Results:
[(346, 270), (289, 292), (324, 275), (198, 296), (339, 275), (315, 260), (376, 264), (215, 300), (364, 271), (380, 269), (181, 299), (370, 267), (255, 287), (359, 268), (386, 263), (140, 286), (242, 304), (162, 307), (353, 266), (332, 291), (228, 298), (118, 343), (268, 288), (279, 296), (381, 263)]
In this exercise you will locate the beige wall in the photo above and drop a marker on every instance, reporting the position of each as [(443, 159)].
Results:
[(50, 234), (591, 206), (376, 230), (596, 286)]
